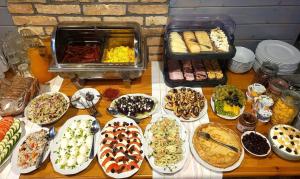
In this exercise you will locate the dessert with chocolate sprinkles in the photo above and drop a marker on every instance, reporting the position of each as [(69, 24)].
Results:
[(139, 106), (285, 141)]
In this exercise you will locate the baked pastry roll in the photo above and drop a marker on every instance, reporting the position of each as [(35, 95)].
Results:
[(191, 42), (177, 43), (204, 41)]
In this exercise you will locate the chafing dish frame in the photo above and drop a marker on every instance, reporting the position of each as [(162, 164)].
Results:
[(99, 70)]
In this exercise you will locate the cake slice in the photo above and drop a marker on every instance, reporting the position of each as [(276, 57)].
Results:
[(199, 70), (175, 72), (188, 71)]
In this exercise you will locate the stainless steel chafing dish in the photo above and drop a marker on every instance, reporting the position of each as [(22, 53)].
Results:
[(106, 36)]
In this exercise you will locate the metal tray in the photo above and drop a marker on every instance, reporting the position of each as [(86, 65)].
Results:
[(202, 55), (99, 42), (204, 83)]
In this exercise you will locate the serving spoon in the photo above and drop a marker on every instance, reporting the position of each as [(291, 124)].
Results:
[(50, 136), (94, 129), (208, 137)]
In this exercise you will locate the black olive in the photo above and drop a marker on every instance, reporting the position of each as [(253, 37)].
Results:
[(112, 170), (275, 137), (141, 151), (106, 135), (281, 146), (132, 167), (292, 142), (297, 136), (296, 152), (107, 155), (281, 133), (115, 137), (285, 128), (291, 137), (276, 128), (121, 140), (288, 150)]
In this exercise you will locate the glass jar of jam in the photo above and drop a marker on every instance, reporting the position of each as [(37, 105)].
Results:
[(265, 73), (246, 122), (286, 107)]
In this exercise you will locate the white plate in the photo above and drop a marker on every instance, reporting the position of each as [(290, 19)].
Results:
[(81, 93), (15, 155), (132, 172), (56, 143), (148, 150), (201, 114), (53, 120), (212, 104), (279, 51), (22, 130), (210, 167), (249, 132), (140, 116)]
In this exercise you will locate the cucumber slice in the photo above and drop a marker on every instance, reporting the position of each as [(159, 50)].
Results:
[(1, 148), (10, 133), (5, 141), (2, 156), (15, 138), (16, 126), (6, 137), (11, 144)]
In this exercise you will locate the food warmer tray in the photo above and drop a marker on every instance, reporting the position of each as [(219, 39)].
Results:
[(200, 22), (106, 35)]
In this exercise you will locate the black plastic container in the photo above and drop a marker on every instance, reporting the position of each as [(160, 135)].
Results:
[(196, 23)]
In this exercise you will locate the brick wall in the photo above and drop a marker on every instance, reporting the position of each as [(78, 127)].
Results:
[(42, 15)]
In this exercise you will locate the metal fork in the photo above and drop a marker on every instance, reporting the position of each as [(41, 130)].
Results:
[(208, 137)]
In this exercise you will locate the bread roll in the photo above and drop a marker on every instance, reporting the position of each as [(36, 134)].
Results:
[(204, 41), (191, 42)]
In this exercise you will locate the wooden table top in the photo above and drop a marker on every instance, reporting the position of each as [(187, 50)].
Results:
[(270, 166)]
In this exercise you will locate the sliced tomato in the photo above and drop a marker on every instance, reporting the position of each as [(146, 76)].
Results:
[(132, 165), (135, 143), (138, 157), (8, 118), (107, 160), (121, 158), (120, 145), (105, 145), (122, 168), (106, 151), (112, 168), (119, 132)]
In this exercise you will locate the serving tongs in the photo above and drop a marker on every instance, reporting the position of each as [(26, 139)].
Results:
[(207, 136)]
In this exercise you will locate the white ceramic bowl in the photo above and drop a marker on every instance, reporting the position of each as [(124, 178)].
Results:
[(242, 61), (256, 155)]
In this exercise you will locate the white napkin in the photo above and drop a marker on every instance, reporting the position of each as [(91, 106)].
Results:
[(51, 86), (191, 169)]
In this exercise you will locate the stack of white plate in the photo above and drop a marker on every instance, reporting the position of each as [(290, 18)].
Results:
[(286, 56)]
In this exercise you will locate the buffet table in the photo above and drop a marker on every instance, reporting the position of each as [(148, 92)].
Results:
[(270, 166)]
